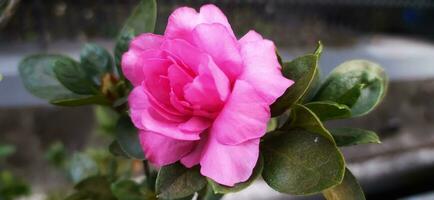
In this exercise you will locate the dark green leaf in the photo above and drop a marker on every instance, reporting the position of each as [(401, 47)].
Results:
[(95, 188), (12, 187), (302, 117), (37, 74), (96, 61), (117, 150), (81, 166), (354, 136), (328, 110), (130, 190), (56, 154), (176, 181), (207, 193), (106, 118), (128, 138), (72, 75), (142, 20), (359, 84), (299, 162), (349, 189), (302, 70), (80, 101), (221, 189)]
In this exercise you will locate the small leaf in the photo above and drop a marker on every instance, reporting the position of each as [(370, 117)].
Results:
[(72, 75), (80, 101), (354, 136), (116, 150), (221, 189), (142, 20), (95, 188), (128, 138), (328, 110), (176, 181), (130, 190), (38, 77), (302, 117), (81, 166), (349, 189), (299, 162), (359, 84), (302, 71), (96, 61)]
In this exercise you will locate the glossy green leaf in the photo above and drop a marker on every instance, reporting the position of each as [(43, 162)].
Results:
[(81, 100), (354, 136), (142, 20), (302, 117), (130, 190), (72, 75), (328, 110), (221, 189), (176, 181), (128, 138), (302, 71), (349, 189), (96, 61), (95, 188), (81, 166), (359, 84), (299, 162), (38, 77)]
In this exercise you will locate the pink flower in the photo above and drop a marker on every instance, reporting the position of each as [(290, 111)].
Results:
[(201, 96)]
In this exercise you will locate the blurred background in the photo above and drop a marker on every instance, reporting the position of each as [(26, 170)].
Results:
[(397, 34)]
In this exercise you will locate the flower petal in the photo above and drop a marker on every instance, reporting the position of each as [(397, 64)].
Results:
[(262, 69), (215, 40), (146, 41), (227, 164), (162, 150), (244, 116), (193, 158), (138, 102), (183, 20)]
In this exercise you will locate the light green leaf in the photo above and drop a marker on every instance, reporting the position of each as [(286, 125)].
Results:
[(128, 138), (349, 189), (302, 117), (81, 166), (176, 181), (299, 162), (221, 189), (302, 71), (359, 84), (142, 20), (328, 110), (354, 136)]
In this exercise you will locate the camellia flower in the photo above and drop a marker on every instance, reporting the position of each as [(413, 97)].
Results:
[(201, 96)]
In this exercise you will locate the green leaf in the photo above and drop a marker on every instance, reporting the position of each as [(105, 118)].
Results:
[(72, 75), (116, 150), (81, 166), (95, 188), (302, 117), (142, 20), (56, 154), (349, 189), (96, 61), (128, 138), (319, 49), (80, 101), (130, 190), (207, 193), (299, 162), (221, 189), (176, 181), (328, 110), (354, 136), (12, 187), (38, 77), (6, 150), (302, 71), (359, 84)]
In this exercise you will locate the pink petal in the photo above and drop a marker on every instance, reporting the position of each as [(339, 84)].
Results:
[(162, 150), (178, 79), (193, 157), (183, 20), (262, 69), (221, 46), (195, 124), (227, 164), (183, 52), (138, 102), (244, 116), (146, 41), (251, 36)]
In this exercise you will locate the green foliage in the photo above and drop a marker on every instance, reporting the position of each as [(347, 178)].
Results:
[(96, 62), (128, 139), (349, 189), (300, 162), (176, 181), (329, 110), (6, 150), (93, 188), (221, 189), (56, 155), (12, 187), (354, 136), (82, 166), (130, 190), (359, 84)]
